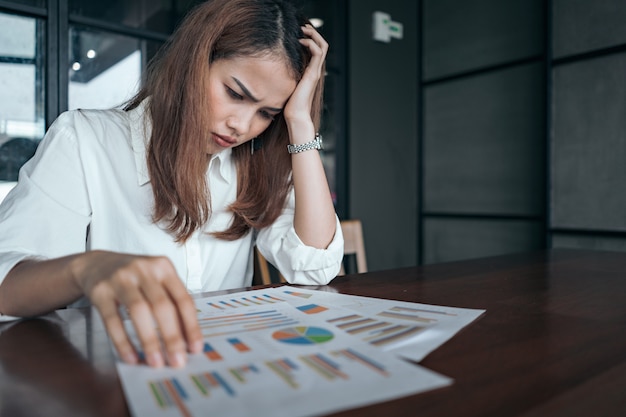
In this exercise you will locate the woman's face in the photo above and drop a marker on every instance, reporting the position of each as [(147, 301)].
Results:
[(245, 94)]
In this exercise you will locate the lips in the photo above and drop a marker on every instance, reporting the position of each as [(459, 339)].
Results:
[(224, 141)]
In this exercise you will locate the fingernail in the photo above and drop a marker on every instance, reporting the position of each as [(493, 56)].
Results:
[(155, 359), (129, 357), (177, 359)]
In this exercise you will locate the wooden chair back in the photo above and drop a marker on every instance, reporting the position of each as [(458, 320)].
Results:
[(354, 244)]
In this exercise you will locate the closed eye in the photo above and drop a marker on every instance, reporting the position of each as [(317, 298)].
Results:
[(233, 94), (266, 115)]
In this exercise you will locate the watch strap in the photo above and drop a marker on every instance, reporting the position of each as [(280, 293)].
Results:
[(314, 144)]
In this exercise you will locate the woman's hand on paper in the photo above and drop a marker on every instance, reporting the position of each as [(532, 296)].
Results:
[(158, 304)]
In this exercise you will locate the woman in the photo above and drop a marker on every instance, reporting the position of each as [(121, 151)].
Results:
[(135, 208)]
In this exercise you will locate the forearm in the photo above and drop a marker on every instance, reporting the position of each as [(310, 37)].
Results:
[(37, 287), (314, 219)]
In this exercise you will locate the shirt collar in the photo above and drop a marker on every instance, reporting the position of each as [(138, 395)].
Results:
[(226, 167), (140, 131)]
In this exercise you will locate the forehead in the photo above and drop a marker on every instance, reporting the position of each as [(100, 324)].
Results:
[(267, 77)]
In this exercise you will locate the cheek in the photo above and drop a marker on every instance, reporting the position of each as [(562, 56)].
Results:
[(259, 126), (216, 102)]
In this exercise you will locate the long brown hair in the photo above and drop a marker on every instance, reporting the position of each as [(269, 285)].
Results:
[(175, 84)]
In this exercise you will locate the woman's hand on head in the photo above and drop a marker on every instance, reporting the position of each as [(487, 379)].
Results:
[(158, 304), (298, 108)]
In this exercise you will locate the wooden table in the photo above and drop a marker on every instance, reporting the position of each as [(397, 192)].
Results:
[(552, 343)]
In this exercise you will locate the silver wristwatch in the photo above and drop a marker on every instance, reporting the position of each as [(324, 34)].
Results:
[(314, 144)]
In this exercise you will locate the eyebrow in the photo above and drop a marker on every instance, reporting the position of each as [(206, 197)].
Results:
[(251, 97)]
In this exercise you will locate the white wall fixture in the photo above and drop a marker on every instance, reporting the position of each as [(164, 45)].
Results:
[(384, 28)]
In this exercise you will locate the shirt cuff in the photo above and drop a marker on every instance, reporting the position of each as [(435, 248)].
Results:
[(307, 265), (303, 257)]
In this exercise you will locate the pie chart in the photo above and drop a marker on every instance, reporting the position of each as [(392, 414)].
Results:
[(302, 335)]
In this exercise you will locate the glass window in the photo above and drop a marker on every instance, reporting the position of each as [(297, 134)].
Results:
[(153, 15), (34, 3), (22, 122), (105, 69)]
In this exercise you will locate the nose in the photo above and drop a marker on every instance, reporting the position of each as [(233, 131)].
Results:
[(240, 122)]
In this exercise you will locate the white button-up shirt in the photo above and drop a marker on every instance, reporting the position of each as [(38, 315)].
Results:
[(88, 188)]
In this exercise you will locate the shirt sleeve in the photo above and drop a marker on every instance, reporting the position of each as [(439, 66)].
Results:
[(297, 262), (47, 214)]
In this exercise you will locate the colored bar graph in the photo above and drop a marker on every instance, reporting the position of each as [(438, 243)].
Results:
[(238, 344), (311, 309), (237, 323), (227, 305), (207, 381), (271, 297), (240, 372), (379, 332), (170, 393), (223, 384), (354, 323), (368, 327), (251, 301), (397, 334), (385, 332), (160, 395), (298, 294), (422, 310), (272, 325), (242, 316), (264, 299), (412, 317), (324, 366), (344, 318), (211, 353), (362, 359), (248, 301), (284, 369)]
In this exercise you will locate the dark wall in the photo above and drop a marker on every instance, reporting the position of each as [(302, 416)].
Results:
[(483, 132), (588, 118), (493, 127), (382, 147)]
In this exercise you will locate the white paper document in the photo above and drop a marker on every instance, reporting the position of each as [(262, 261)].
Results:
[(293, 352), (410, 330)]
